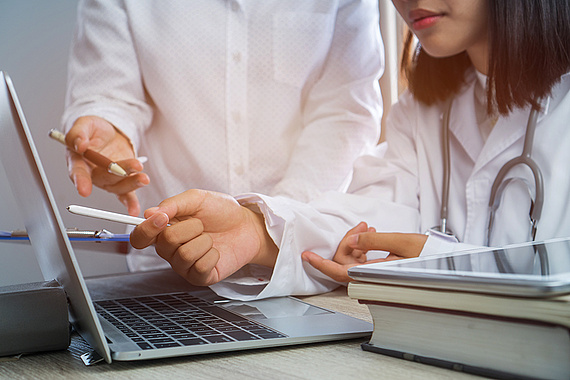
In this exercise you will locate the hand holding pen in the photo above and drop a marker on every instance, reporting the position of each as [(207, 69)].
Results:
[(95, 158), (92, 133)]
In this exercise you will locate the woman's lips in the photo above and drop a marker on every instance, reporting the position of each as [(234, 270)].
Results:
[(422, 19)]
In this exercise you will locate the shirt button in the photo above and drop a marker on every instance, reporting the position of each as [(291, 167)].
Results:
[(236, 57), (235, 6), (239, 170), (236, 117)]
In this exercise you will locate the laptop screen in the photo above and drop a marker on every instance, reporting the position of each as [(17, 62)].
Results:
[(42, 220)]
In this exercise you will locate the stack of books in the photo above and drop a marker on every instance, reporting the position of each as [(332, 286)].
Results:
[(486, 334)]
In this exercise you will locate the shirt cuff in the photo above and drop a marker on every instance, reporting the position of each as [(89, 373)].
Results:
[(438, 242), (250, 281)]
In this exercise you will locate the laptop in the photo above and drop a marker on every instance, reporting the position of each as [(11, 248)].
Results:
[(146, 315), (533, 269)]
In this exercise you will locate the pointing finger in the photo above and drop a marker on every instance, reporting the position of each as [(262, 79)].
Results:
[(145, 233), (401, 244)]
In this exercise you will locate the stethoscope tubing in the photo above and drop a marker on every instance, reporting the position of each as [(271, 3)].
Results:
[(496, 189), (524, 159), (446, 168)]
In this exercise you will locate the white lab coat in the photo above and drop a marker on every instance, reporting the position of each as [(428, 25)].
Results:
[(401, 190)]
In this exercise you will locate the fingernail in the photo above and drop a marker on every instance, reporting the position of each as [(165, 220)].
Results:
[(352, 240), (76, 143), (160, 220)]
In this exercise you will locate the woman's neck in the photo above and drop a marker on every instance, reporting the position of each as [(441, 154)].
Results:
[(479, 56)]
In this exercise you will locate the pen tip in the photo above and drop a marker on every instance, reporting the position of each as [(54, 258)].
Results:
[(116, 169)]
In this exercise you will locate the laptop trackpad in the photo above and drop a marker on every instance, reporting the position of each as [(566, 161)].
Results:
[(271, 308)]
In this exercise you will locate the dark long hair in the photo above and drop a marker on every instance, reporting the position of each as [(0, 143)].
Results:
[(529, 50)]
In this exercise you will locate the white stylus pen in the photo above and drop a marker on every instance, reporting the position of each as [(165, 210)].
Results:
[(107, 215)]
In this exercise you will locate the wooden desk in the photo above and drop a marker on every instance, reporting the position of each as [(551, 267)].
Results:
[(334, 360)]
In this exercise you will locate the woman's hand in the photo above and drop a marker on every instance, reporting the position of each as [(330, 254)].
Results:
[(357, 242)]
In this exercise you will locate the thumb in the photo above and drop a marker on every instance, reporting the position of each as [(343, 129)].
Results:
[(330, 268), (79, 136), (145, 233), (401, 244)]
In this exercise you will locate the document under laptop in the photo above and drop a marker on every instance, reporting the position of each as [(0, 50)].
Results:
[(146, 315)]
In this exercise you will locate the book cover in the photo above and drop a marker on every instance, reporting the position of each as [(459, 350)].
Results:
[(501, 345)]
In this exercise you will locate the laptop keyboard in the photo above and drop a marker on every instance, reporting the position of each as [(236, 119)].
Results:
[(180, 319)]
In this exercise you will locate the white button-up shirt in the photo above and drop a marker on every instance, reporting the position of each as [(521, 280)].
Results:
[(277, 97)]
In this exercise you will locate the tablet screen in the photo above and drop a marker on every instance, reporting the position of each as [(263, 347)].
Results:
[(532, 268)]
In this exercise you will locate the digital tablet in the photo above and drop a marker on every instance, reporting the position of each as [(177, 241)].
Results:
[(537, 269)]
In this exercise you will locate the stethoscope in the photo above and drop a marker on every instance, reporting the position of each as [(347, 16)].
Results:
[(500, 183)]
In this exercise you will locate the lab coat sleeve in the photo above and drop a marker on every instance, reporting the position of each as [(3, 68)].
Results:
[(390, 171), (319, 226), (438, 242), (341, 111), (104, 76)]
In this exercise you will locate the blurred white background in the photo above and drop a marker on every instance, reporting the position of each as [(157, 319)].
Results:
[(34, 44)]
